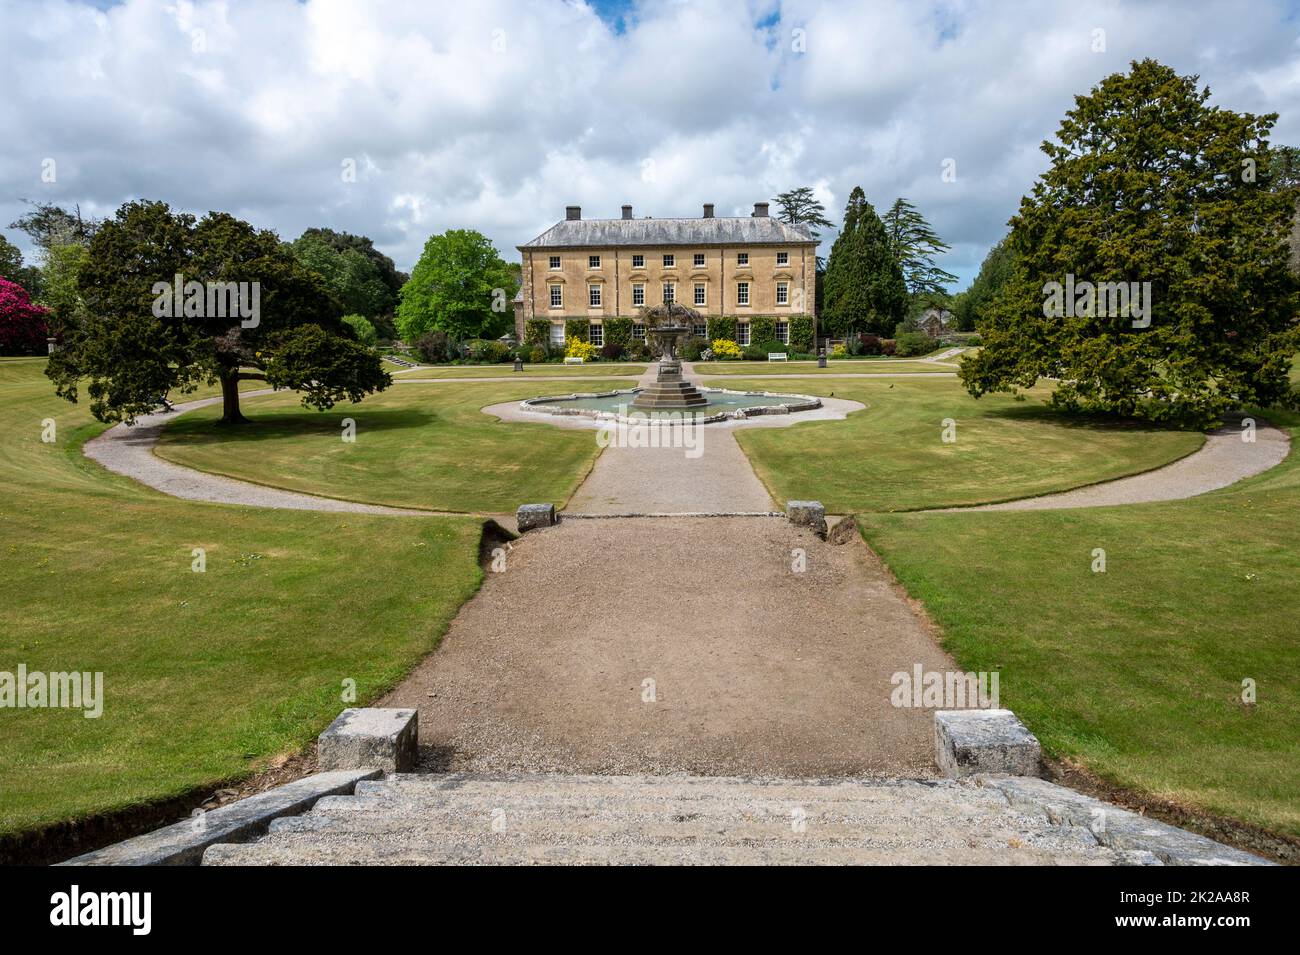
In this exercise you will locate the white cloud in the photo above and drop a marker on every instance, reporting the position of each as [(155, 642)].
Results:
[(495, 115)]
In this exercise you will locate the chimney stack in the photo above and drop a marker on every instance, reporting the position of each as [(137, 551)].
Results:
[(572, 212), (760, 210), (708, 210), (627, 212)]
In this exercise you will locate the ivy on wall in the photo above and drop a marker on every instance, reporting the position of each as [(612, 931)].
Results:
[(536, 331), (618, 331)]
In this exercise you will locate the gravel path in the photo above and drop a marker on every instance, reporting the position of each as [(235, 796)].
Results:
[(128, 450), (756, 669), (1224, 459)]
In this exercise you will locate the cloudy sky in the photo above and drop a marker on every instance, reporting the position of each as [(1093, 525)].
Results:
[(494, 115)]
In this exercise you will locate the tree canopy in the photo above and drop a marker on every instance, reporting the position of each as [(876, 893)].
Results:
[(365, 281), (1147, 184), (914, 244), (864, 286), (136, 340), (460, 286), (972, 305)]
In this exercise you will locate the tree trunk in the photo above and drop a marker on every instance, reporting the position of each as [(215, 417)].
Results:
[(230, 398)]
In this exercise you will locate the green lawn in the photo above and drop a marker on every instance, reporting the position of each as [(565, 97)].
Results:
[(596, 370), (1136, 672), (206, 675), (424, 446), (892, 457), (865, 366)]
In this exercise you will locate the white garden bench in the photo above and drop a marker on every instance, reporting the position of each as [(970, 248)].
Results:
[(777, 356), (573, 361)]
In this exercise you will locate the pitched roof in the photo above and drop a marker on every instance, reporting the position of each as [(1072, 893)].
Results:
[(740, 230)]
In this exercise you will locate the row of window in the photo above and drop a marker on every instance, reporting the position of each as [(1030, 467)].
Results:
[(596, 333), (594, 294), (670, 260)]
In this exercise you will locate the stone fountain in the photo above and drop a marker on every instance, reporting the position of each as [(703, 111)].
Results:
[(666, 325)]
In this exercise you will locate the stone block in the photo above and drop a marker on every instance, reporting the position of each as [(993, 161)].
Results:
[(370, 738), (968, 742), (807, 514), (534, 515)]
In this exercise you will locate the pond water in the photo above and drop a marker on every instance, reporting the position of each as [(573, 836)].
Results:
[(719, 402)]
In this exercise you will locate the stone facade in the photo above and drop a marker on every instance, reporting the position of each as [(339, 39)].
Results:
[(735, 267)]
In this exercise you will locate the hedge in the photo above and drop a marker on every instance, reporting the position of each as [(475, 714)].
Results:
[(578, 328)]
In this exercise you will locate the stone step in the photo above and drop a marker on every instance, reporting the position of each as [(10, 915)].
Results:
[(466, 818)]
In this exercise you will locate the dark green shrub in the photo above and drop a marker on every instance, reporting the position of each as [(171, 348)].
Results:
[(912, 343), (691, 348), (433, 348), (578, 328)]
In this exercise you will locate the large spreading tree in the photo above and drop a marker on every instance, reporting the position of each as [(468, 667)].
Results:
[(363, 279), (130, 345), (915, 244), (1149, 183), (460, 286), (865, 289)]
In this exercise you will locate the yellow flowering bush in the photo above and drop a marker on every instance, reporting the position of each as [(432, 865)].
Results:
[(725, 349), (577, 348), (840, 351)]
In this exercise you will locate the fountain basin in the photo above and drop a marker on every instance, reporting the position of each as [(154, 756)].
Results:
[(721, 404)]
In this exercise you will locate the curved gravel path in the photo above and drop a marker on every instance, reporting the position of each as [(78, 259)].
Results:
[(1224, 459), (128, 450)]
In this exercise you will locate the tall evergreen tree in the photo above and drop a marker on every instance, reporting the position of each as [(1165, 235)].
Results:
[(915, 244), (800, 206), (973, 304), (864, 288), (1145, 189)]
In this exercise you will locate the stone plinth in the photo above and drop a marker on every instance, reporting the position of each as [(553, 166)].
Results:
[(807, 514), (529, 516), (968, 742), (370, 738)]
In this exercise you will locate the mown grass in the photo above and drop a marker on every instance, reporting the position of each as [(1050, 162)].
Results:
[(422, 446), (892, 456), (206, 675), (1136, 673)]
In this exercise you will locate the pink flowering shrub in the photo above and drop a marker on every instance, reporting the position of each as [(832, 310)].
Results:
[(22, 324)]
